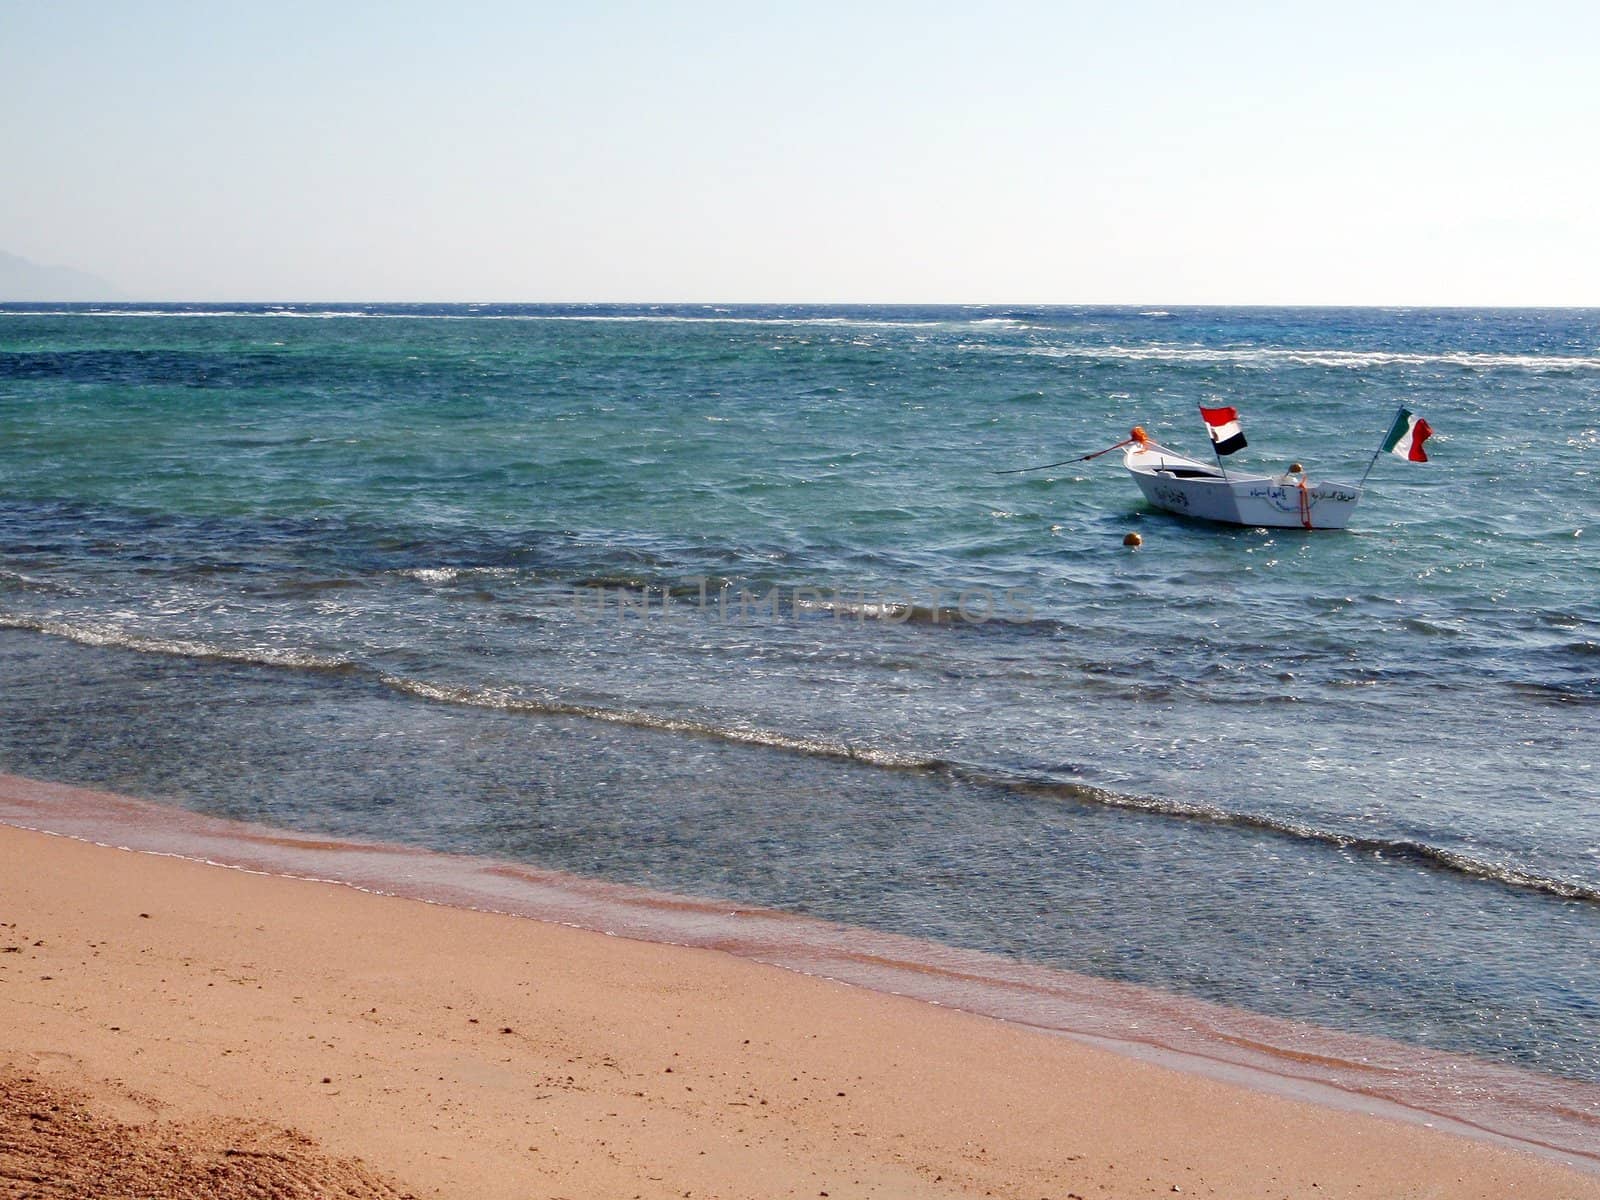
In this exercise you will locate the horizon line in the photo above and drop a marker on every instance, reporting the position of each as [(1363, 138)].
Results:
[(1150, 304)]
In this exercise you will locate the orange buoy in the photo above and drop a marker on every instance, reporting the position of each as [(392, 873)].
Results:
[(1132, 539)]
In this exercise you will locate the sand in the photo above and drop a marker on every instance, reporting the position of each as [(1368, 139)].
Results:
[(54, 1143), (180, 1022)]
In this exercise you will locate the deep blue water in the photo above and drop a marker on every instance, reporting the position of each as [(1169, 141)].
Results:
[(470, 576)]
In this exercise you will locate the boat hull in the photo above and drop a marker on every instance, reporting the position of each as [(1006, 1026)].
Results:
[(1191, 489)]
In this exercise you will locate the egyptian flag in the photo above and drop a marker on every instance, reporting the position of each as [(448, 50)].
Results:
[(1406, 436), (1223, 426)]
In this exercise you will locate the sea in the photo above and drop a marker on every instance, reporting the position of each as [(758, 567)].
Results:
[(754, 604)]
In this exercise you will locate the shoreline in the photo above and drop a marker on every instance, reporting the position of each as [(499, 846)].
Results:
[(1275, 1066)]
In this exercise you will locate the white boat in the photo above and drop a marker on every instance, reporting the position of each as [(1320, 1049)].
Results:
[(1190, 488)]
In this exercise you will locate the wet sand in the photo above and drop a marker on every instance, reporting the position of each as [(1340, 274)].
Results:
[(401, 1047)]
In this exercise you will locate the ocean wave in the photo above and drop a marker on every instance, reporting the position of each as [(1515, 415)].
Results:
[(1376, 848), (1405, 850), (126, 312), (816, 747), (453, 574), (116, 637), (1379, 849), (730, 598), (17, 581), (1277, 356), (615, 318), (983, 609), (1585, 692)]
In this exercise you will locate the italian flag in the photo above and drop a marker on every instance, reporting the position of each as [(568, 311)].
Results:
[(1223, 426), (1406, 436)]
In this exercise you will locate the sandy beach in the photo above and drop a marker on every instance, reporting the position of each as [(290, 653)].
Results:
[(184, 1021)]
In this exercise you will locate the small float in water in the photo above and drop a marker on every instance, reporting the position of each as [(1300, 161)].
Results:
[(1188, 487)]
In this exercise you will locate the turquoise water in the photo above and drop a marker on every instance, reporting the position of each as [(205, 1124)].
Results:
[(470, 577)]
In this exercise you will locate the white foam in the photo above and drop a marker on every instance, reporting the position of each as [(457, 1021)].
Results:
[(505, 701), (433, 574), (115, 636), (451, 574), (714, 318), (1273, 357)]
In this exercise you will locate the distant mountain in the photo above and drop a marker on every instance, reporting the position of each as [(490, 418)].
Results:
[(24, 280)]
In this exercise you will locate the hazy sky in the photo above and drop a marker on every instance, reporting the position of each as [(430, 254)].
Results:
[(1005, 152)]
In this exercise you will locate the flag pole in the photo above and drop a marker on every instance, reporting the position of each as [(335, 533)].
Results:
[(1374, 460), (1218, 457)]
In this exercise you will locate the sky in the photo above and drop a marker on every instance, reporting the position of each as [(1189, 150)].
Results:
[(1008, 152)]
